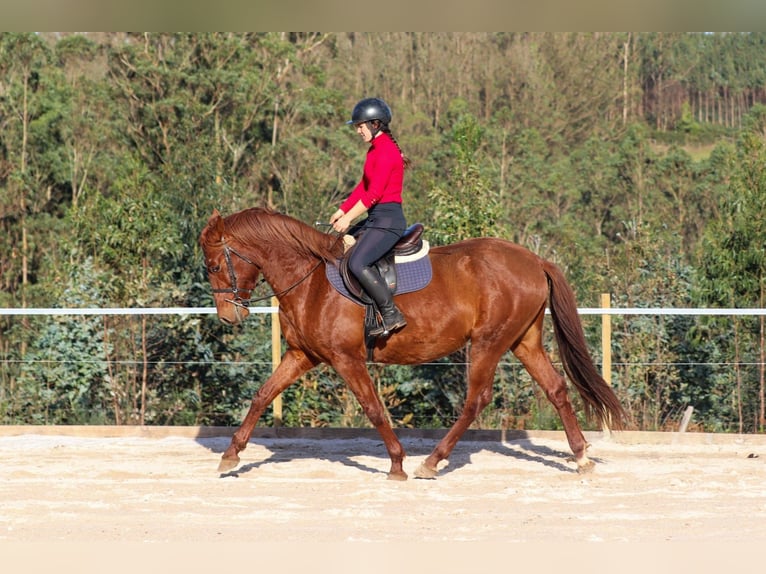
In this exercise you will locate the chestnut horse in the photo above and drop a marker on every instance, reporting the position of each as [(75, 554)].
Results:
[(487, 292)]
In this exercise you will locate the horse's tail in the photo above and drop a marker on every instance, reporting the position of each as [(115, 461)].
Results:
[(598, 396)]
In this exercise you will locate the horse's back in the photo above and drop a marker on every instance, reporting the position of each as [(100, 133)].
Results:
[(487, 276), (487, 260), (484, 288)]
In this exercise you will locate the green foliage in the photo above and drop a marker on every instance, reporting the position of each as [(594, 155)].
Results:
[(732, 270), (467, 206), (646, 348), (64, 378), (116, 147)]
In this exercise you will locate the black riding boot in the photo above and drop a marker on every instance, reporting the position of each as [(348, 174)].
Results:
[(376, 288)]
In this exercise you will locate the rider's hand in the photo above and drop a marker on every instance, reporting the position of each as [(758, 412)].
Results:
[(339, 222)]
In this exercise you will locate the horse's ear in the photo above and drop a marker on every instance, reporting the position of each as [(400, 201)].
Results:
[(214, 227), (216, 221)]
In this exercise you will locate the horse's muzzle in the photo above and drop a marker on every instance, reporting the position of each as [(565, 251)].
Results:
[(232, 314)]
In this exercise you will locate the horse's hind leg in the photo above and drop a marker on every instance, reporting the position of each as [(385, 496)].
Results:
[(532, 355), (481, 374), (294, 363)]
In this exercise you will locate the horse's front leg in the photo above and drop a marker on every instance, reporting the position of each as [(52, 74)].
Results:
[(357, 377), (294, 363)]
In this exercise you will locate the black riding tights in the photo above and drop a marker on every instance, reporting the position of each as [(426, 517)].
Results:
[(381, 230)]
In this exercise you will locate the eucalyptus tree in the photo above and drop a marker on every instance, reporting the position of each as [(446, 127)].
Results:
[(541, 195), (466, 204), (25, 139), (88, 137), (647, 269), (67, 376), (583, 84), (30, 112), (630, 196), (192, 105), (732, 269)]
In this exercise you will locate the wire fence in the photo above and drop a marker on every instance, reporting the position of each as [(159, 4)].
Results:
[(636, 367), (584, 311)]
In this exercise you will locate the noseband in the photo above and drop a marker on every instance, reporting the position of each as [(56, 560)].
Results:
[(234, 290)]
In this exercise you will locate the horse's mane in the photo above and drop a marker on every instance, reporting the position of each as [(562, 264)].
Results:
[(265, 226)]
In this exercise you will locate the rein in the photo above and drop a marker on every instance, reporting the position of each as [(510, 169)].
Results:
[(234, 290)]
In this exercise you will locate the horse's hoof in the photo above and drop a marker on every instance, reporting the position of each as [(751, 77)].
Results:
[(585, 467), (400, 476), (424, 472), (228, 464)]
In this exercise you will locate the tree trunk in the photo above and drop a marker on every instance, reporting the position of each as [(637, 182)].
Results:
[(110, 370), (658, 104), (762, 367), (145, 370), (23, 205), (738, 375), (625, 102), (144, 353), (719, 117)]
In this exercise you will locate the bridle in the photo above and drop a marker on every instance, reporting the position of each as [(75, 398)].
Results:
[(235, 290)]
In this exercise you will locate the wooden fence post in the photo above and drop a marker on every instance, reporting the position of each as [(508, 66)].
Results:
[(606, 339), (276, 357), (606, 347)]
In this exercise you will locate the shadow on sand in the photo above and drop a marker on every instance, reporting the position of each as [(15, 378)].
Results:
[(345, 446)]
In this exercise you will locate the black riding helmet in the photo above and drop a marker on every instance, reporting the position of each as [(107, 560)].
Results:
[(370, 109)]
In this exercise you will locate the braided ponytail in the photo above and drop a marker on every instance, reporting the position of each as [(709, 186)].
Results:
[(387, 130)]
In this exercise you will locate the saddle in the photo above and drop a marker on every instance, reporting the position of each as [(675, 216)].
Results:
[(410, 247), (409, 253)]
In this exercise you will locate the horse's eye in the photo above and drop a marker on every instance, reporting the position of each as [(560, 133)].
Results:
[(215, 269)]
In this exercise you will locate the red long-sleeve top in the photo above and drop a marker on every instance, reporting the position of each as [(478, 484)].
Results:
[(382, 177)]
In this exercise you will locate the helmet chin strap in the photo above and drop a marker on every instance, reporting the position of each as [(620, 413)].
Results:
[(375, 131)]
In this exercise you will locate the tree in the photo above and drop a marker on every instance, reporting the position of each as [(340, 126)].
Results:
[(23, 58), (134, 238), (733, 264), (467, 206)]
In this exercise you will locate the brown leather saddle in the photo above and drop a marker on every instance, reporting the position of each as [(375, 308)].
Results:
[(410, 243)]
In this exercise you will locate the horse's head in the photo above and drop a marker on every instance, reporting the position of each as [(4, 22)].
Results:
[(232, 274)]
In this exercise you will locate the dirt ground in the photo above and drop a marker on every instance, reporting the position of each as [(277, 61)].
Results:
[(164, 487)]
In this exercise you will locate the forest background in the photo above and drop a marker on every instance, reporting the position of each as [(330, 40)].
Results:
[(635, 161)]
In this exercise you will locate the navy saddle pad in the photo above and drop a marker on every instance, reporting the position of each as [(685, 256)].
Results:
[(410, 276)]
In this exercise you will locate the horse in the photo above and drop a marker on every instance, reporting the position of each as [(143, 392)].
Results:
[(487, 295)]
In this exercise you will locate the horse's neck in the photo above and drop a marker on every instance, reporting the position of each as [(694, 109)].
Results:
[(285, 268)]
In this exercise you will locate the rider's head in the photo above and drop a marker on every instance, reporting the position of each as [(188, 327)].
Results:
[(372, 111)]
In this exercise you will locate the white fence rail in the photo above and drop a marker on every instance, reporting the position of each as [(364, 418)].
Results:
[(211, 311), (126, 311)]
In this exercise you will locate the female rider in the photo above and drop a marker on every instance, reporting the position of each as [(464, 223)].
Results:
[(379, 193)]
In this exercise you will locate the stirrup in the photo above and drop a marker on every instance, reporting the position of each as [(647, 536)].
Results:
[(398, 321)]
